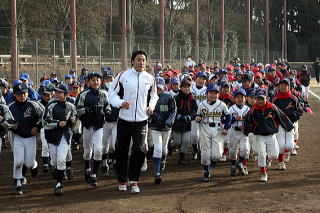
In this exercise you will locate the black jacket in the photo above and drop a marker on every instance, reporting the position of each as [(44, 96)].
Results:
[(93, 106), (186, 112), (288, 104), (54, 113), (265, 120), (164, 113), (28, 115)]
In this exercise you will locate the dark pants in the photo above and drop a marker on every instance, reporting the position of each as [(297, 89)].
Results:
[(317, 72), (125, 131)]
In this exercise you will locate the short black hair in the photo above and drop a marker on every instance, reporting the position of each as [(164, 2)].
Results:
[(138, 52)]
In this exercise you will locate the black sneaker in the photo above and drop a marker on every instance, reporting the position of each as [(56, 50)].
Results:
[(87, 176), (45, 168), (194, 155), (206, 177), (157, 179), (58, 191), (69, 173), (93, 181), (19, 190), (241, 169), (34, 172), (233, 171)]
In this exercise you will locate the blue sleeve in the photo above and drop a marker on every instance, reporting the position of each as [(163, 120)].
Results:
[(33, 94), (227, 119)]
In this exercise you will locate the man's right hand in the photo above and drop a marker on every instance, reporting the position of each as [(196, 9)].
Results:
[(126, 105), (62, 123)]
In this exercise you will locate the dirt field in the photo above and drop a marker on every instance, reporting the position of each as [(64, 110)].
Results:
[(295, 190)]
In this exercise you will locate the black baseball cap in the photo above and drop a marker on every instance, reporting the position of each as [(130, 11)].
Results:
[(20, 88), (62, 88)]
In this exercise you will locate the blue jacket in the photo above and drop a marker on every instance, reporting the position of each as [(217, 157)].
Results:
[(164, 113)]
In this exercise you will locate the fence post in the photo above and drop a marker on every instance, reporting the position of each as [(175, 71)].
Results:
[(112, 55), (180, 58), (100, 59), (86, 54), (54, 55), (37, 62), (70, 44)]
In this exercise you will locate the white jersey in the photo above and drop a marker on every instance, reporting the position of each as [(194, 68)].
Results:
[(199, 94), (212, 113), (234, 110)]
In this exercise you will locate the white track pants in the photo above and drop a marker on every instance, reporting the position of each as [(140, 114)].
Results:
[(92, 141), (267, 144), (58, 154), (181, 139), (160, 141), (24, 153), (109, 137), (238, 141), (285, 140), (195, 132), (44, 144)]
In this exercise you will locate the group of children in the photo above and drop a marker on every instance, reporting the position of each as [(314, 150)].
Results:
[(230, 113)]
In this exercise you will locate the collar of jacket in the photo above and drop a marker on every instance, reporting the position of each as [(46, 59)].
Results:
[(268, 105), (283, 95)]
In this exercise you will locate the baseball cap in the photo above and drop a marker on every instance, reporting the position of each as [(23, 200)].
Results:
[(185, 82), (250, 92), (201, 74), (72, 71), (239, 91), (258, 74), (159, 64), (246, 77), (20, 88), (84, 69), (222, 71), (48, 89), (304, 66), (224, 83), (239, 72), (160, 82), (285, 80), (75, 84), (67, 76), (54, 80), (62, 88), (24, 77), (108, 73), (175, 80), (213, 87), (96, 74), (261, 93), (4, 83)]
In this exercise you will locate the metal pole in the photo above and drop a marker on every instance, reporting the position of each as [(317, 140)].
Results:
[(112, 56), (111, 16), (267, 30), (249, 29), (86, 53), (196, 32), (123, 34), (54, 55), (14, 41), (100, 58), (285, 29), (161, 2), (73, 34), (180, 57), (37, 62), (222, 32)]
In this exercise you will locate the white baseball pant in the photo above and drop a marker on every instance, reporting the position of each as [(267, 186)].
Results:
[(211, 144), (58, 154), (285, 140), (181, 139), (305, 91), (195, 132), (92, 141), (296, 130), (44, 144), (253, 143), (24, 153), (160, 141), (267, 144), (109, 137), (238, 141)]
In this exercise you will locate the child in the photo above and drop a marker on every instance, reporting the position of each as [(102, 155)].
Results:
[(58, 119), (263, 121), (237, 139), (161, 123), (209, 115), (186, 112), (289, 105)]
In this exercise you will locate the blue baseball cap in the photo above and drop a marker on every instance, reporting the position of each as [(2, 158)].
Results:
[(285, 80), (239, 72), (20, 88), (160, 82), (72, 71), (54, 80), (213, 87), (239, 91), (222, 71), (175, 80), (202, 74), (261, 93), (24, 77), (17, 82), (45, 82), (84, 69), (225, 83), (251, 92), (68, 76)]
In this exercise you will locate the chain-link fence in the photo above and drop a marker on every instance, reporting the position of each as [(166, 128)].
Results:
[(41, 57)]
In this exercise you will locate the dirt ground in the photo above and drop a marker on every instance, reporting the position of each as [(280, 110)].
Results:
[(295, 190)]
